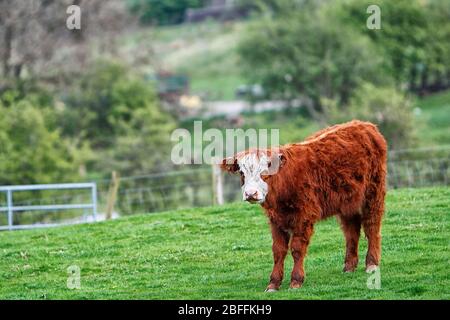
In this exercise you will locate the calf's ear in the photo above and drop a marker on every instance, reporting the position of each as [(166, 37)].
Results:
[(230, 165)]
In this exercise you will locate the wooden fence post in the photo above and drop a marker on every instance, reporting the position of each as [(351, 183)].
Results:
[(217, 179), (112, 194)]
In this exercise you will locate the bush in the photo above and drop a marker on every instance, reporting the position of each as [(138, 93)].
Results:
[(118, 112), (30, 151), (142, 146), (308, 53), (386, 107), (414, 39)]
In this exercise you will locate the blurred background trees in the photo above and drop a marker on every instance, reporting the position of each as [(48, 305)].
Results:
[(325, 54), (77, 104), (37, 44), (30, 149), (312, 57)]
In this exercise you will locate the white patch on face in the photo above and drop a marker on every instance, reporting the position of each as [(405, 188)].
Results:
[(252, 167)]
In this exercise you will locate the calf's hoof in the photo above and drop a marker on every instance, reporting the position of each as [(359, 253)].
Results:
[(295, 284), (272, 287), (349, 267), (371, 268)]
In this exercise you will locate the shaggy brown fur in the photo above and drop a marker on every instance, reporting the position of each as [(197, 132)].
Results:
[(341, 171)]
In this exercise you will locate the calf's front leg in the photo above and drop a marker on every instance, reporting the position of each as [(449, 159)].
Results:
[(299, 245), (280, 247)]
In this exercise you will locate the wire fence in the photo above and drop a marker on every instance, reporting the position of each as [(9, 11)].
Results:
[(192, 188), (420, 167)]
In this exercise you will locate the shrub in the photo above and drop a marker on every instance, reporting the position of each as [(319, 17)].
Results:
[(119, 113), (388, 108), (30, 151), (308, 53)]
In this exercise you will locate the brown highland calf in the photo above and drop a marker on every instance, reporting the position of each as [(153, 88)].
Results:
[(340, 171)]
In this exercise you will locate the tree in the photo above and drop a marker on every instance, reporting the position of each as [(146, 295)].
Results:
[(390, 109), (436, 70), (309, 54), (119, 114), (414, 39), (30, 152), (36, 43), (143, 144)]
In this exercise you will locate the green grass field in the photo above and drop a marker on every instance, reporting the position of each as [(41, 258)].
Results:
[(225, 253)]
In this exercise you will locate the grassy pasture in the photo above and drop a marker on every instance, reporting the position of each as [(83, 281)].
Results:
[(225, 253)]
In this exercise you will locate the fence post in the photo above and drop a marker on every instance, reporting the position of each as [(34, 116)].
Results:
[(217, 179), (10, 208), (94, 201), (112, 194)]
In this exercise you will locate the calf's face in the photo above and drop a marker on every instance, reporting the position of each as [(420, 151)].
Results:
[(252, 168), (255, 169)]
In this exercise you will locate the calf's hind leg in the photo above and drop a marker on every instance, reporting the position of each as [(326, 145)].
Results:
[(351, 226), (371, 222)]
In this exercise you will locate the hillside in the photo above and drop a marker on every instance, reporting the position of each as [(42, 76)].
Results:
[(205, 52), (225, 253)]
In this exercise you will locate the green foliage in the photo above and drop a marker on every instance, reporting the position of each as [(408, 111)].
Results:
[(30, 150), (386, 107), (143, 144), (435, 110), (162, 12), (326, 53), (105, 96), (119, 114), (437, 48), (414, 39), (308, 53), (36, 93), (110, 111), (225, 253)]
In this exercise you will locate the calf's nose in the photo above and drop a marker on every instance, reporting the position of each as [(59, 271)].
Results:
[(251, 195)]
